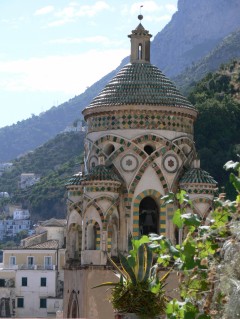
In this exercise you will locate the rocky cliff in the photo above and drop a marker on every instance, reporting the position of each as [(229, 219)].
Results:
[(195, 29)]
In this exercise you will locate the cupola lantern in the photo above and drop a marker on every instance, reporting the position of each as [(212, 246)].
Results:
[(140, 44)]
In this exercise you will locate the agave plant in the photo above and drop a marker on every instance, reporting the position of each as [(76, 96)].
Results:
[(139, 289)]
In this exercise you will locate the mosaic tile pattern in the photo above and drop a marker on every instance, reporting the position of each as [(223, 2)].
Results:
[(145, 165), (101, 188), (162, 212), (124, 144), (109, 238), (75, 206), (196, 189), (98, 233), (149, 138), (145, 120), (184, 140), (75, 193), (197, 175)]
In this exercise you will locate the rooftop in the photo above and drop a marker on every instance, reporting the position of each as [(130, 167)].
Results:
[(197, 176), (140, 84)]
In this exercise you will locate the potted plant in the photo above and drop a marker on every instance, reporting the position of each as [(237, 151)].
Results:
[(139, 293)]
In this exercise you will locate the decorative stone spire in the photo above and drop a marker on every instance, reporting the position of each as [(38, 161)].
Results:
[(140, 44)]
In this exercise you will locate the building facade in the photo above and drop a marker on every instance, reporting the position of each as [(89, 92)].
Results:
[(32, 277), (139, 146)]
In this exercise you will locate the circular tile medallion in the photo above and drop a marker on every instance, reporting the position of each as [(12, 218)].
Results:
[(170, 163), (129, 163)]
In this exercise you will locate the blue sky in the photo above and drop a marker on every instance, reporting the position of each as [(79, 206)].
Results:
[(53, 50)]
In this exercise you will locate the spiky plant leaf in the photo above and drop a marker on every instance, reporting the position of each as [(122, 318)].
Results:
[(119, 270), (149, 260), (128, 269), (104, 284), (141, 258)]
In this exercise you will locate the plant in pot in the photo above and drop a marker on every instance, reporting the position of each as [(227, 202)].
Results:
[(139, 293)]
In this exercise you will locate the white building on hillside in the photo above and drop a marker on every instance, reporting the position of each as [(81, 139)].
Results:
[(36, 270), (28, 179), (19, 214)]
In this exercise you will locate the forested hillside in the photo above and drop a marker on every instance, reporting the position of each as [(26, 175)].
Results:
[(217, 98), (193, 32), (227, 50), (55, 162)]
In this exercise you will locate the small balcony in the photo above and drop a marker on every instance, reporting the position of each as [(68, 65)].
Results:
[(31, 267)]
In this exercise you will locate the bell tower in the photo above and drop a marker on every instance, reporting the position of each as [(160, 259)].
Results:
[(140, 44), (139, 147)]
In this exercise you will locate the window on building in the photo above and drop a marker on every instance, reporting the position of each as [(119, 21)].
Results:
[(43, 281), (140, 51), (2, 282), (47, 262), (20, 302), (30, 262), (43, 303), (24, 281), (12, 260)]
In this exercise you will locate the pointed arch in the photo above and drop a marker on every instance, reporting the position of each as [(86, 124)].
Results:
[(94, 203), (109, 213), (202, 200), (161, 211), (96, 233), (74, 241), (73, 306), (151, 161)]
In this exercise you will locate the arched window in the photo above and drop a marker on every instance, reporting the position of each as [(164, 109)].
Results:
[(148, 216), (91, 237), (140, 51), (109, 149), (149, 149), (73, 307)]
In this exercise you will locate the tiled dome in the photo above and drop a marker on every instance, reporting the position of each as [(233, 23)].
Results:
[(102, 173), (75, 180), (197, 176), (140, 84)]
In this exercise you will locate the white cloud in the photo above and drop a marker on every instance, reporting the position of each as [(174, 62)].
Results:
[(74, 11), (44, 10), (68, 74), (151, 10), (96, 39)]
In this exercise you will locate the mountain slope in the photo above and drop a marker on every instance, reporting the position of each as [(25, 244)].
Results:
[(54, 161), (226, 50), (217, 99), (195, 29), (26, 135), (217, 138)]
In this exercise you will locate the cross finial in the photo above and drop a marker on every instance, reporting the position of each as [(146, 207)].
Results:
[(140, 16)]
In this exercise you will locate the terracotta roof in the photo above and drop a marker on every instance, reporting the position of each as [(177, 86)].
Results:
[(140, 84), (49, 244), (197, 176)]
